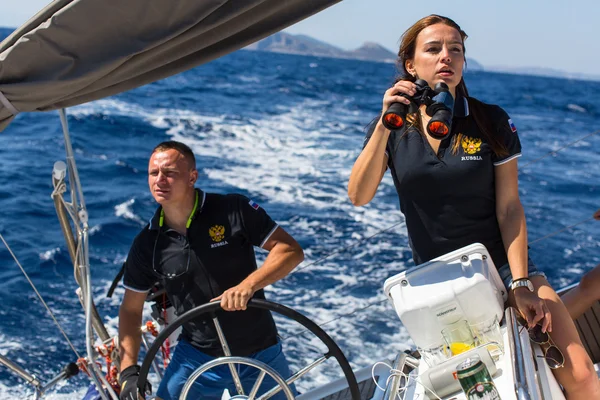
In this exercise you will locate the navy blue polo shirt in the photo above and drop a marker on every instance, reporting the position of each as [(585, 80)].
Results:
[(449, 200), (216, 254)]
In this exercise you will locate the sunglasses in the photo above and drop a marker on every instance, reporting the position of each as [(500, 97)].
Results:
[(171, 254), (552, 354)]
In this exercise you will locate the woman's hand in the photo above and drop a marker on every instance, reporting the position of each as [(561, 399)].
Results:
[(533, 309), (392, 95)]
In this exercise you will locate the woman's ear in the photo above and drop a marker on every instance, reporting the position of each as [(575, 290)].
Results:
[(410, 68)]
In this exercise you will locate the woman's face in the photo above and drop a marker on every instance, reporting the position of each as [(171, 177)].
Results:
[(439, 56)]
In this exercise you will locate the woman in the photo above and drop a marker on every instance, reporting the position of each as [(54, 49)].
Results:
[(464, 189)]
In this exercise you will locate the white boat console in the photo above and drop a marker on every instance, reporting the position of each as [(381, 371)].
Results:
[(463, 285)]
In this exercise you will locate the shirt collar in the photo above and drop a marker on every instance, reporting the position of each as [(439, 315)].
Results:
[(154, 225), (461, 106)]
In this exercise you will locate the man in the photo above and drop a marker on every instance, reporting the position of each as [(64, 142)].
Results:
[(199, 247)]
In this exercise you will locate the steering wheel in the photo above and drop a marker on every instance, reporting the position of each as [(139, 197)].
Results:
[(332, 351)]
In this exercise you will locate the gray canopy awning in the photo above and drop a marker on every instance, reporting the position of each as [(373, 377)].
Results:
[(75, 51)]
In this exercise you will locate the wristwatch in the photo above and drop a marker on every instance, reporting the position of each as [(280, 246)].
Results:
[(522, 282)]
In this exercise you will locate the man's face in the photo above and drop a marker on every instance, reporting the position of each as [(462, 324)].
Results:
[(170, 177)]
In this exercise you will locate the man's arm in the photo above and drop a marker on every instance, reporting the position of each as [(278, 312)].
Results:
[(284, 255), (583, 296), (130, 323)]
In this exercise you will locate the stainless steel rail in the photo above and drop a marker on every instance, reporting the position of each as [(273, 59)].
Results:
[(391, 390), (524, 373)]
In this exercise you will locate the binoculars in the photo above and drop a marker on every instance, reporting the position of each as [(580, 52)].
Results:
[(440, 107)]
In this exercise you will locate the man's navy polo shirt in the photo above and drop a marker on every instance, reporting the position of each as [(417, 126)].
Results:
[(449, 200), (220, 244)]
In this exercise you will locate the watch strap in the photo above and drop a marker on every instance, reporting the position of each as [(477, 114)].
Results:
[(522, 282)]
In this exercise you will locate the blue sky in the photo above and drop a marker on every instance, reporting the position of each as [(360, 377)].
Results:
[(509, 33), (517, 33)]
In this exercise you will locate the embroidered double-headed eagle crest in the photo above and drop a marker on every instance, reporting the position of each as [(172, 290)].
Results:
[(471, 145), (217, 233)]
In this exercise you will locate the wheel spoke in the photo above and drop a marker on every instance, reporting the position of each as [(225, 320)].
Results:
[(256, 385), (295, 377), (225, 346)]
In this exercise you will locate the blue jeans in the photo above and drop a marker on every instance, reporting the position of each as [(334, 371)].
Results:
[(506, 275), (211, 384)]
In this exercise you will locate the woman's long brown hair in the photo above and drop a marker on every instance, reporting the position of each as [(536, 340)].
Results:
[(408, 43)]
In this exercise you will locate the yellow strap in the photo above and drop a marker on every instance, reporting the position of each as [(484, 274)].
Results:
[(189, 221)]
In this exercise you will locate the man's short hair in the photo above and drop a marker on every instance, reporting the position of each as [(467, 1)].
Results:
[(187, 153)]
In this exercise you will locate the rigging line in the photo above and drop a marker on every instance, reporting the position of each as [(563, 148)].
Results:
[(562, 229), (336, 319), (561, 148), (40, 297), (348, 247)]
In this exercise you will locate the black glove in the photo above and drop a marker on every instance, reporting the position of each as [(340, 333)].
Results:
[(128, 378)]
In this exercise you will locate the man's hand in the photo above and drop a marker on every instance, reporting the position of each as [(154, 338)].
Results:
[(597, 215), (284, 254), (236, 298), (128, 378)]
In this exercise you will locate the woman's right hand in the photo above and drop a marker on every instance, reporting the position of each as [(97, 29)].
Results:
[(533, 309), (392, 95)]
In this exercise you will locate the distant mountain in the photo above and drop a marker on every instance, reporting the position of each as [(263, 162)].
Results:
[(282, 42), (473, 65), (296, 44), (372, 51)]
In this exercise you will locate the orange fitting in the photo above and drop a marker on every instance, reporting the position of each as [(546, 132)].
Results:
[(82, 364), (151, 328)]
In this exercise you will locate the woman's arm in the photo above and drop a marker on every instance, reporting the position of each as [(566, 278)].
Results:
[(511, 218), (370, 165), (513, 228), (369, 168)]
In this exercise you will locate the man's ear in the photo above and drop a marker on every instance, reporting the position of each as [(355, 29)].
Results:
[(193, 177)]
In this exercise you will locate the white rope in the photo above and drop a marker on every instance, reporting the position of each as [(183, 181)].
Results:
[(394, 373), (7, 104), (59, 189)]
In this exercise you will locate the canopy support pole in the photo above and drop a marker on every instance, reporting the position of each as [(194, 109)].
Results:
[(82, 262)]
